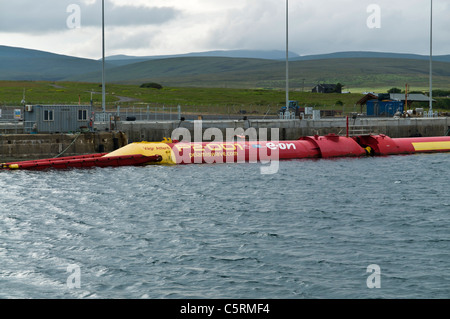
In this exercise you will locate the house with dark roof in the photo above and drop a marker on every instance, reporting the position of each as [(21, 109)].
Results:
[(327, 88)]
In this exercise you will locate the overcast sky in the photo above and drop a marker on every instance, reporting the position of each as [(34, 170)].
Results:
[(157, 27)]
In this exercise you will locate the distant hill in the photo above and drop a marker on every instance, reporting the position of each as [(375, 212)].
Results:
[(120, 60), (25, 64), (238, 69), (186, 71), (368, 54), (250, 73)]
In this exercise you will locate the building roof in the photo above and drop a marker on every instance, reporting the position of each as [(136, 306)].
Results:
[(395, 97), (366, 98), (329, 86), (410, 97)]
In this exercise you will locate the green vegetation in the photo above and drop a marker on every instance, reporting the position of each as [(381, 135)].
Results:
[(198, 100), (191, 99), (441, 93), (442, 104), (394, 90), (152, 85), (358, 74)]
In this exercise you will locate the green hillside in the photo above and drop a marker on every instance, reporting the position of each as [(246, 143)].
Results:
[(194, 100), (358, 71), (357, 74), (18, 64)]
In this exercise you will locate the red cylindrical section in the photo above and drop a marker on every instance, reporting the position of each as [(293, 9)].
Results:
[(305, 147), (336, 146), (48, 160), (85, 162), (384, 145), (424, 144), (230, 152)]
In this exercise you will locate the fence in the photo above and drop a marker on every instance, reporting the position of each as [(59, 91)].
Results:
[(11, 119), (11, 113), (164, 113)]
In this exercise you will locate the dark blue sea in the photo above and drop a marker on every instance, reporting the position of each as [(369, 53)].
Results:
[(227, 231)]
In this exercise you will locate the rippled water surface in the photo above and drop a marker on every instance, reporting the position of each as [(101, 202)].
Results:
[(226, 231)]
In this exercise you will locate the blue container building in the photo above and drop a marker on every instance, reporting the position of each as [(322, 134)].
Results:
[(386, 108)]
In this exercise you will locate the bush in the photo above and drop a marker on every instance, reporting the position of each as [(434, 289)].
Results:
[(442, 103), (152, 85), (394, 90), (441, 93)]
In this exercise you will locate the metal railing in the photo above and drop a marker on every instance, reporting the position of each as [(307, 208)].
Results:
[(11, 119), (148, 113), (355, 130), (11, 113)]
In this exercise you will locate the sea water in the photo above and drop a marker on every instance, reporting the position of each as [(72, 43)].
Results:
[(346, 228)]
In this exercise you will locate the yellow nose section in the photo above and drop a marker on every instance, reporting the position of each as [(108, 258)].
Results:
[(147, 149)]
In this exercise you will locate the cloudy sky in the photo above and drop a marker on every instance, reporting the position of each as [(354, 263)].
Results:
[(157, 27)]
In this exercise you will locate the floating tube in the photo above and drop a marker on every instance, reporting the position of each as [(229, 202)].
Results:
[(232, 152), (47, 160), (329, 146), (221, 152), (83, 162)]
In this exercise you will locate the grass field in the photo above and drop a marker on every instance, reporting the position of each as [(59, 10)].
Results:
[(191, 99), (357, 74)]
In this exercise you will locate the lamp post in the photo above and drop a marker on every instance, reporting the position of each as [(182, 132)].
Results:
[(431, 59), (287, 112), (103, 59)]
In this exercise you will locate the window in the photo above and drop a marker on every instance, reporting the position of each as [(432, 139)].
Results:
[(48, 115), (82, 115)]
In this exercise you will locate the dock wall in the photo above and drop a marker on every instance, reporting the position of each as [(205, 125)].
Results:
[(290, 129), (36, 146)]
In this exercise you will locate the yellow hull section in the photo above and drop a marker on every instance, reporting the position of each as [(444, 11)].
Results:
[(431, 146), (147, 149)]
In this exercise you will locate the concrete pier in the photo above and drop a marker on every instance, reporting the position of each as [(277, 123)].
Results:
[(153, 131), (37, 146)]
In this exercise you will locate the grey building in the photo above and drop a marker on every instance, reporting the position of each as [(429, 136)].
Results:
[(57, 118)]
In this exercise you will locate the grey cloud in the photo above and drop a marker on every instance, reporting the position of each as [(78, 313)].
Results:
[(47, 16), (322, 27)]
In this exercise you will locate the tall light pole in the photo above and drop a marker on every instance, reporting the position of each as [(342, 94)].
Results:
[(287, 112), (103, 58), (431, 59)]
